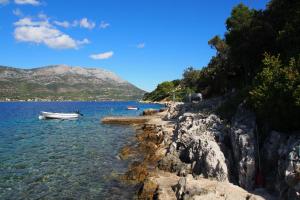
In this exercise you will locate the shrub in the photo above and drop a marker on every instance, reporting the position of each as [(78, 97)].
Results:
[(275, 95)]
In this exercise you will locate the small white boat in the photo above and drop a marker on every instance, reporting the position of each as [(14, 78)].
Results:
[(51, 115), (132, 108)]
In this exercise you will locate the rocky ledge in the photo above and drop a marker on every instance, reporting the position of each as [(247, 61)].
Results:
[(189, 152)]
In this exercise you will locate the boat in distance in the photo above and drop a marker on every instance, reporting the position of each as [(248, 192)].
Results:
[(52, 115), (132, 108)]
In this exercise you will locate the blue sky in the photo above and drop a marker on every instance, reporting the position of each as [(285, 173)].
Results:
[(143, 41)]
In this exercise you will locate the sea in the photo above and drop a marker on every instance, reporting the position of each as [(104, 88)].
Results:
[(64, 159)]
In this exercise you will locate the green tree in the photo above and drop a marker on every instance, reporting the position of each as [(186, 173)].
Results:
[(190, 78), (284, 15), (249, 34), (219, 45), (163, 91), (241, 17), (275, 95)]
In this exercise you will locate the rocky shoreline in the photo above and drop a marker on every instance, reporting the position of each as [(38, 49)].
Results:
[(188, 152)]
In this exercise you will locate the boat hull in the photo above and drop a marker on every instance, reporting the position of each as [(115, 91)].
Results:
[(50, 115), (132, 108)]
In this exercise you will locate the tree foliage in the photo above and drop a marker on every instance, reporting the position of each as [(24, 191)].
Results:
[(190, 78), (245, 61), (275, 94), (164, 91)]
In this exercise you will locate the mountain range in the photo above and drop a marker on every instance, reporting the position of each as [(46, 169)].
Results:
[(62, 82)]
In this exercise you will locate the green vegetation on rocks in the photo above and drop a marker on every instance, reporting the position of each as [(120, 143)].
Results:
[(164, 91)]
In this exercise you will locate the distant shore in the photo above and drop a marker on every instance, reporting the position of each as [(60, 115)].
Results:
[(71, 100)]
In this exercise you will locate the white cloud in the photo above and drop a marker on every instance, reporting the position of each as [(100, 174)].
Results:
[(102, 56), (104, 25), (17, 12), (64, 24), (141, 45), (42, 32), (86, 24), (26, 21), (84, 41), (3, 2), (31, 2), (64, 41), (43, 16)]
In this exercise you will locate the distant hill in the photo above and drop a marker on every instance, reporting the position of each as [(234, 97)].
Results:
[(62, 82)]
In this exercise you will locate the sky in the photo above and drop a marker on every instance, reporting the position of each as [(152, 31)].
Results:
[(143, 41)]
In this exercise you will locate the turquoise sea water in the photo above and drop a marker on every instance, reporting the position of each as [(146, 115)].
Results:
[(54, 159)]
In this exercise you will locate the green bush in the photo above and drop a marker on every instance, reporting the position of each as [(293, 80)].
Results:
[(276, 93), (164, 91)]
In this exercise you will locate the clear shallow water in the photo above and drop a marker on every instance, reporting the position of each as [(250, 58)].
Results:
[(54, 159)]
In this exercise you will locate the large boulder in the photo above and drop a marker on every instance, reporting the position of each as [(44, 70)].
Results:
[(208, 160), (173, 110), (195, 142), (281, 161), (288, 168), (270, 158), (242, 136), (271, 146)]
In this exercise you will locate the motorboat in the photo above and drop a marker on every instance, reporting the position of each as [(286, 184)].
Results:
[(132, 108), (52, 115)]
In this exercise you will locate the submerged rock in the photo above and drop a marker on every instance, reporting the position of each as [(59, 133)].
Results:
[(126, 152), (148, 189), (137, 172)]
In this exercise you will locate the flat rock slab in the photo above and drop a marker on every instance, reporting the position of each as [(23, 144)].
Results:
[(165, 182), (125, 120), (202, 189)]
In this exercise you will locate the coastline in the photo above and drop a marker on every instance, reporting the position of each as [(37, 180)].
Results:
[(160, 172), (52, 100)]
